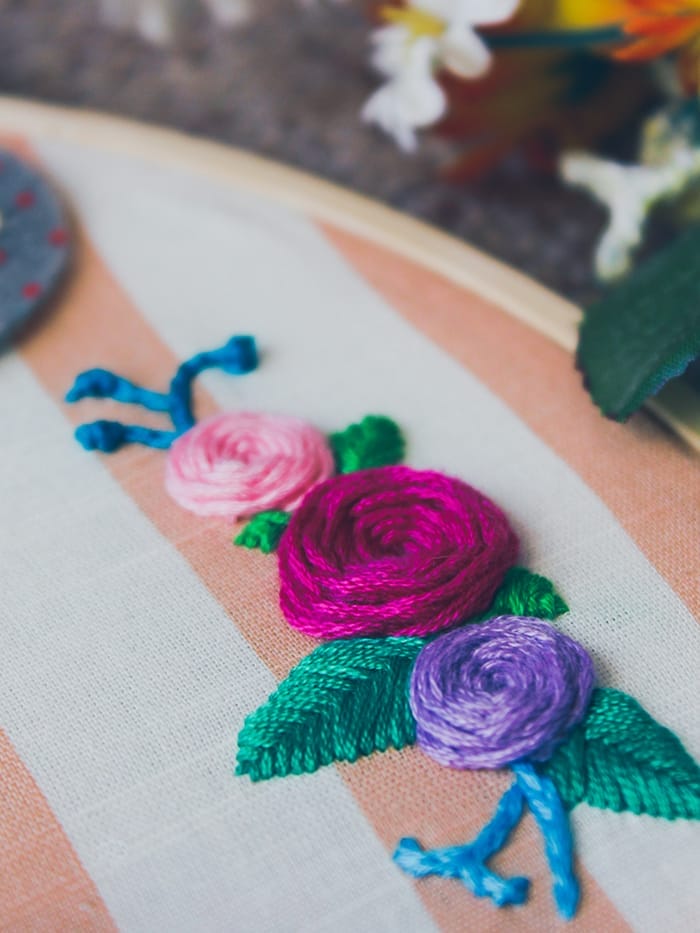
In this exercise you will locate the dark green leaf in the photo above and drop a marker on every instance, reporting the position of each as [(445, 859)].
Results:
[(622, 759), (347, 699), (645, 331)]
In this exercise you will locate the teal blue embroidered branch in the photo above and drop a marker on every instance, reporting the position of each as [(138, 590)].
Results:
[(468, 863), (238, 356)]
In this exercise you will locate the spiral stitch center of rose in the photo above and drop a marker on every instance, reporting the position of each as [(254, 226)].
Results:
[(493, 694), (391, 551), (240, 463)]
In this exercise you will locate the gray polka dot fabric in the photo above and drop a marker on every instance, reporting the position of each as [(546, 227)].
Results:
[(34, 243)]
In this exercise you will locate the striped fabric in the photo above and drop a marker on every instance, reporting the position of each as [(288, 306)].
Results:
[(134, 638)]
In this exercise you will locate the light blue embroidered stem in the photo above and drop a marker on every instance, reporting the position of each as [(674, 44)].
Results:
[(468, 863), (544, 801), (237, 357), (101, 383)]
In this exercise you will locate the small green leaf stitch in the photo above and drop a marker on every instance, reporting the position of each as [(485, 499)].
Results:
[(347, 699), (376, 441), (622, 759), (264, 531), (523, 593)]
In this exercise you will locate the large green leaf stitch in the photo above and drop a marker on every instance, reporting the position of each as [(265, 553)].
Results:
[(347, 699), (620, 758)]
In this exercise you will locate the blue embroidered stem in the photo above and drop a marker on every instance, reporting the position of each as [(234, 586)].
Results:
[(544, 801), (467, 863), (238, 356), (108, 436), (101, 383)]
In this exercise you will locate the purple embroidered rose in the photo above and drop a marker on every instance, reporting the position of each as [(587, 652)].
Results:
[(485, 696)]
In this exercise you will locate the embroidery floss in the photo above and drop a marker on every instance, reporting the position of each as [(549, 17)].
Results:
[(487, 695), (263, 531), (492, 695), (239, 463), (237, 357), (391, 551)]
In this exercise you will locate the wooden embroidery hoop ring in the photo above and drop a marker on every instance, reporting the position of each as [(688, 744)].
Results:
[(677, 405)]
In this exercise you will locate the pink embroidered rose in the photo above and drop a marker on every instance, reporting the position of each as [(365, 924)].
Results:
[(391, 551), (239, 463)]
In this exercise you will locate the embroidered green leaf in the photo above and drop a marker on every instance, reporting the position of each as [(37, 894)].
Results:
[(263, 531), (523, 593), (347, 699), (645, 331), (376, 441), (622, 759)]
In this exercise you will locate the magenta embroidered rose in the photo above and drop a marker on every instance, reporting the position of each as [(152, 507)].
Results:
[(391, 551), (239, 463)]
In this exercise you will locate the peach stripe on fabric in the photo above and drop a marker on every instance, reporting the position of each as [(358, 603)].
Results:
[(43, 885), (657, 501), (402, 793)]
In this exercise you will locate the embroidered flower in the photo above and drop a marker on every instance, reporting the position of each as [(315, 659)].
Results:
[(391, 551), (485, 696), (423, 38), (239, 463)]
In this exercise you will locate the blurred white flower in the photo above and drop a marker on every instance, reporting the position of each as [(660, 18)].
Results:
[(460, 48), (424, 37), (630, 192), (411, 98)]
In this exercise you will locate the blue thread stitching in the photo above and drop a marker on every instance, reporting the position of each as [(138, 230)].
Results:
[(108, 436), (238, 356), (546, 806), (101, 383), (468, 863)]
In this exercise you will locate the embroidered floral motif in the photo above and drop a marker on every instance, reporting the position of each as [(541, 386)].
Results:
[(237, 464), (399, 555)]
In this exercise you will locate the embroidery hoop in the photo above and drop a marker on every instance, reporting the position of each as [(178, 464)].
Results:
[(677, 405)]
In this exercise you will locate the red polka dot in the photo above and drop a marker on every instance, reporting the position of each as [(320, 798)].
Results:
[(31, 290), (58, 237), (3, 257), (25, 199)]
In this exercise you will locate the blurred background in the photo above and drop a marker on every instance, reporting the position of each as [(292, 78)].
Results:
[(289, 83)]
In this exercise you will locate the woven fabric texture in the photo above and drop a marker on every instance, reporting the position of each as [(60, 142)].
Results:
[(136, 637)]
